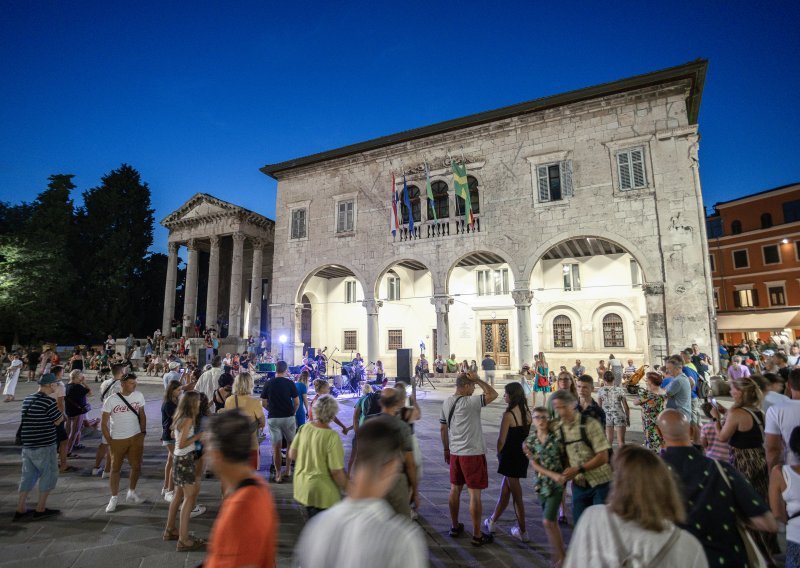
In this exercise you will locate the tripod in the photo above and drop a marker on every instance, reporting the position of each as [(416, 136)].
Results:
[(422, 377)]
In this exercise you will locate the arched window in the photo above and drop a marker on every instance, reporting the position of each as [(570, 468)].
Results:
[(736, 227), (473, 197), (766, 221), (413, 194), (440, 201), (613, 334), (562, 332)]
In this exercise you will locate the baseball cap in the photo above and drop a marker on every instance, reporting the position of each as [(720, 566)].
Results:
[(174, 365), (48, 379)]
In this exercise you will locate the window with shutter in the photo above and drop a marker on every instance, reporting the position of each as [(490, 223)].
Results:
[(754, 298), (344, 217), (554, 181), (631, 169), (544, 188), (566, 178)]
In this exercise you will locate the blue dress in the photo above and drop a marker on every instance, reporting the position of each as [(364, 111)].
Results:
[(300, 416)]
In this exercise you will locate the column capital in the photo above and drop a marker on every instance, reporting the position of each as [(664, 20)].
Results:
[(258, 244), (173, 248), (372, 306), (653, 288), (522, 298), (191, 244), (238, 238), (442, 303), (214, 240)]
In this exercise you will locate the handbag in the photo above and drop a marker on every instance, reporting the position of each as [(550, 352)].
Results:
[(542, 380), (755, 559)]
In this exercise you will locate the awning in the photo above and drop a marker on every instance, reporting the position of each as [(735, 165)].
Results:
[(759, 321)]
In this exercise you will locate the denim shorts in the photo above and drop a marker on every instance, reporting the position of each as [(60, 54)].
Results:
[(280, 428), (39, 464)]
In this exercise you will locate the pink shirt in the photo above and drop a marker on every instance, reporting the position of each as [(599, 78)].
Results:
[(737, 371), (715, 449)]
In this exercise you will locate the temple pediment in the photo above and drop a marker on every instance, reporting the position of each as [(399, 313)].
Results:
[(204, 207)]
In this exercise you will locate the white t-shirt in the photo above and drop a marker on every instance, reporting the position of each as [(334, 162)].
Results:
[(14, 369), (465, 431), (124, 423), (772, 398), (363, 532), (115, 386), (592, 544), (207, 383), (791, 495), (781, 420)]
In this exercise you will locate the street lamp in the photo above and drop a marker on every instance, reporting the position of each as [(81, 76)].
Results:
[(282, 339)]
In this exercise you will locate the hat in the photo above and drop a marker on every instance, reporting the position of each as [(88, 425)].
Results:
[(174, 365), (48, 379), (768, 352)]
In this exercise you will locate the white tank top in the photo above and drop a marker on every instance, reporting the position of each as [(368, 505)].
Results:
[(188, 449), (792, 497)]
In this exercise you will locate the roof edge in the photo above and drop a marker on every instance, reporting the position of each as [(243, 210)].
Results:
[(694, 70)]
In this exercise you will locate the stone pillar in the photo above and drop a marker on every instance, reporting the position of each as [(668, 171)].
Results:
[(212, 301), (442, 303), (294, 349), (255, 289), (169, 289), (235, 309), (523, 298), (657, 335), (190, 292), (373, 335)]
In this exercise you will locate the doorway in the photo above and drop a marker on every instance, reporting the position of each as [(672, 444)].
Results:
[(495, 342)]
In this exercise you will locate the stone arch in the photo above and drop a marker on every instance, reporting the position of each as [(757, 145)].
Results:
[(651, 272), (376, 281), (602, 309), (357, 274), (506, 257), (576, 319)]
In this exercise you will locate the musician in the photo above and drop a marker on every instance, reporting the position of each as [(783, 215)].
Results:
[(380, 375), (322, 361), (358, 359)]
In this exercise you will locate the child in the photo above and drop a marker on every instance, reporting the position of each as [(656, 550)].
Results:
[(709, 438), (614, 404)]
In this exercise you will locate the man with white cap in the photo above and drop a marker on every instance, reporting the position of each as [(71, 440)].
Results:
[(173, 374)]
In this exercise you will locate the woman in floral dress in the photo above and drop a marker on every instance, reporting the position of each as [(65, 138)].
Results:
[(652, 400)]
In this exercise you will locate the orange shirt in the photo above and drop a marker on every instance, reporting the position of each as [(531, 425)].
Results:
[(246, 530)]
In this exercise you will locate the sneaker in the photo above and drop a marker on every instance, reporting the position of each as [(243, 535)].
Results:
[(197, 511), (163, 490), (112, 505), (169, 496), (97, 471), (522, 536), (489, 524), (132, 497), (105, 475)]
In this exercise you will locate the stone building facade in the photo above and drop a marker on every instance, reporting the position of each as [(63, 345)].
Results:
[(608, 171)]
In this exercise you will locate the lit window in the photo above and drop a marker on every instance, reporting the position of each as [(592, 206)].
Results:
[(630, 166), (492, 282), (344, 216), (745, 298), (777, 296), (393, 287), (395, 339), (350, 340), (613, 333), (298, 224), (349, 292), (562, 332), (572, 277)]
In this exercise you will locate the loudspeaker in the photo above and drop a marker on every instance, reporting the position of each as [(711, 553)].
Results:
[(405, 368), (312, 352)]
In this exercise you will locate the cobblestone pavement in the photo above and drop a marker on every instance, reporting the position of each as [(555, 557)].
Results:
[(84, 535)]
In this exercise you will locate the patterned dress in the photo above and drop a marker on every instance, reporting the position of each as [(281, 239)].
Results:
[(652, 405), (548, 455)]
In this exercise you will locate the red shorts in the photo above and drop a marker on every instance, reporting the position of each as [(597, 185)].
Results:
[(471, 471), (254, 459)]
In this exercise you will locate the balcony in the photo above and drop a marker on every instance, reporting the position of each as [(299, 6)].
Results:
[(442, 229)]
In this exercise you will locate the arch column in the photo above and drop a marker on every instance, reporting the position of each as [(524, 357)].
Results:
[(442, 303), (235, 308), (523, 298), (657, 333), (255, 289), (169, 289), (212, 301), (190, 293), (373, 336)]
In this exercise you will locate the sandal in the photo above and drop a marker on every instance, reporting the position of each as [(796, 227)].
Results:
[(195, 544), (457, 530), (483, 539), (170, 535)]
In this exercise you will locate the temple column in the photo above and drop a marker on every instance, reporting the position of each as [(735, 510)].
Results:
[(190, 292), (255, 289), (373, 336), (657, 334), (212, 301), (522, 301), (442, 303), (169, 289), (235, 309)]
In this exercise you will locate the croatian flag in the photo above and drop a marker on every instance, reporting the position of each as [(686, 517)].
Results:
[(394, 225)]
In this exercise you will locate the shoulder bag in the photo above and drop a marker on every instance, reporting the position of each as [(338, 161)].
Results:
[(119, 394)]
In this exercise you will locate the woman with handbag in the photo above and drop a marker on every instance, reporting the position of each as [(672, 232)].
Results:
[(76, 406), (638, 524), (541, 381)]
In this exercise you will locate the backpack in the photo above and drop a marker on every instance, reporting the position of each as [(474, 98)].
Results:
[(370, 406)]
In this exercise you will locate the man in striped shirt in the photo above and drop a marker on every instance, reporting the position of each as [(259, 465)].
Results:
[(40, 416)]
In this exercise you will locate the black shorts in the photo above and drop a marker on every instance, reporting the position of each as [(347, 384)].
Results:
[(61, 433)]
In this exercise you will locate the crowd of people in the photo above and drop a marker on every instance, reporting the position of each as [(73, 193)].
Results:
[(706, 488)]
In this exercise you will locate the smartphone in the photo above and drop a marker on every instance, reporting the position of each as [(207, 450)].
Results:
[(713, 402)]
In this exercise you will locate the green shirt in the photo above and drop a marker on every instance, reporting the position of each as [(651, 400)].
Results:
[(319, 451), (452, 366)]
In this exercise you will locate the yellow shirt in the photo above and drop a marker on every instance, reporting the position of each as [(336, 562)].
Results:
[(248, 406), (319, 451)]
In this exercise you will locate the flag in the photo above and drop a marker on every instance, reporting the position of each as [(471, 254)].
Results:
[(407, 201), (393, 224), (430, 192), (462, 189)]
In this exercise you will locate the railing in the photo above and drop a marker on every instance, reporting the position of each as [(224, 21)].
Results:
[(438, 229)]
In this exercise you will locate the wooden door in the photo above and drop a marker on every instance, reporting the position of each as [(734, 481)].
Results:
[(495, 341)]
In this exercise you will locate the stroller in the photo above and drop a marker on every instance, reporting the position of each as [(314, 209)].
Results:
[(632, 383)]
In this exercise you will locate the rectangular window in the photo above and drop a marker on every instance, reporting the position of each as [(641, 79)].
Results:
[(395, 339), (344, 216), (298, 224), (554, 181), (713, 262), (745, 298), (771, 254), (635, 279), (572, 277), (777, 296), (791, 211), (492, 282), (716, 299), (350, 292), (630, 166), (350, 340), (740, 259), (393, 288)]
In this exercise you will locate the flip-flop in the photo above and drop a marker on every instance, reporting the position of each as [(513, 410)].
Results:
[(170, 535), (457, 530), (196, 544)]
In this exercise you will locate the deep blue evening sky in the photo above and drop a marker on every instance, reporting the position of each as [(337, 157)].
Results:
[(197, 96)]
